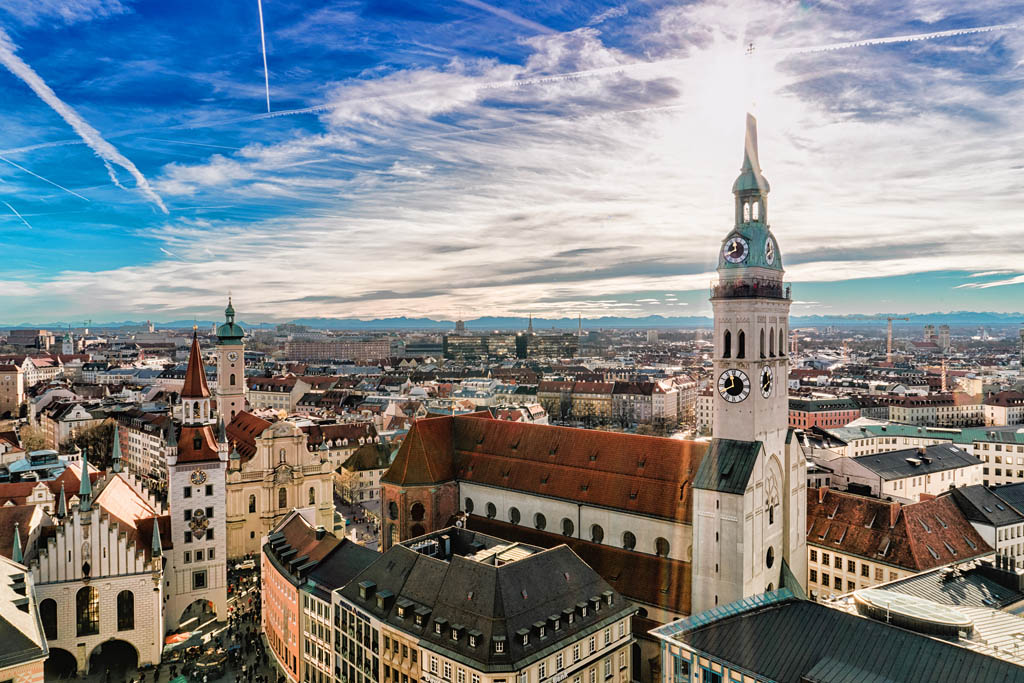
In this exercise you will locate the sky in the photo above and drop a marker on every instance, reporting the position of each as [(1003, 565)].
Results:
[(462, 158)]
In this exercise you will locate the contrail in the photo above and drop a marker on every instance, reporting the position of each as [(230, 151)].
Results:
[(263, 42), (103, 149), (505, 14), (32, 173), (898, 39), (194, 144), (15, 211)]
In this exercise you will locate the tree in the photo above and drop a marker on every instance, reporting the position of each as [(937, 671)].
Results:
[(99, 439), (32, 439)]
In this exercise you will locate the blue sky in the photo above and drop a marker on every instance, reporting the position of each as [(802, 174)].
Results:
[(472, 158)]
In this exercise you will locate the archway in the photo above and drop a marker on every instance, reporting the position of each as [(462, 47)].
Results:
[(198, 612), (117, 656), (61, 664)]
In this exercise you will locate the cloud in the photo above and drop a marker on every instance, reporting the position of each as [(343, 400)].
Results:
[(107, 153), (33, 12), (508, 16), (610, 13)]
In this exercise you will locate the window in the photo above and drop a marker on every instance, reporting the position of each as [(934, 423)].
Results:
[(607, 637), (568, 528), (878, 574), (469, 505), (282, 498), (188, 556), (252, 503), (199, 580), (814, 576), (741, 345), (186, 492), (592, 644), (814, 555), (209, 513), (499, 647), (87, 610), (460, 676), (628, 540), (661, 547), (209, 489), (825, 580), (492, 511), (839, 562), (727, 347), (839, 583), (596, 533), (48, 615), (447, 670), (608, 667), (312, 496), (513, 515), (851, 566), (865, 570), (576, 652), (188, 537), (125, 611), (540, 521), (199, 556), (542, 671)]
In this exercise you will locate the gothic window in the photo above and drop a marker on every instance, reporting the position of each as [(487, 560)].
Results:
[(87, 611), (727, 348), (771, 342), (540, 521), (393, 510), (252, 503), (746, 211), (394, 534), (755, 211), (312, 496), (661, 547), (125, 611), (741, 345), (48, 614), (417, 512), (596, 533), (628, 540), (195, 410), (760, 346), (282, 498), (772, 498), (568, 528)]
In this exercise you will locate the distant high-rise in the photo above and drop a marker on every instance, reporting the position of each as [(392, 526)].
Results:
[(460, 327), (1022, 348), (929, 333)]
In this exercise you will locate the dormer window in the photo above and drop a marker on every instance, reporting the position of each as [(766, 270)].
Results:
[(542, 632), (499, 645), (437, 629), (401, 614), (455, 634)]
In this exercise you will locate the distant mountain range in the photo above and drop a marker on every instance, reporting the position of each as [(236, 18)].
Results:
[(956, 318)]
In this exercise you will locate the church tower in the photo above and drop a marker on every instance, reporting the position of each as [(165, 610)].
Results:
[(749, 507), (197, 458), (230, 366)]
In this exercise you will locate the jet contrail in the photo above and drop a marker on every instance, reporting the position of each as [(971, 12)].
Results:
[(263, 42), (32, 173), (505, 14), (103, 149), (15, 211), (898, 39)]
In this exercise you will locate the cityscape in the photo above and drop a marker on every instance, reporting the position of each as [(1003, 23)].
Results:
[(383, 342)]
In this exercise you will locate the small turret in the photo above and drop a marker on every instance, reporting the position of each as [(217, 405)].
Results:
[(157, 547), (62, 504), (85, 486), (115, 454), (16, 549)]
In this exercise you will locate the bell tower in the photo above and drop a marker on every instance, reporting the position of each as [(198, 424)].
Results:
[(749, 506), (230, 366)]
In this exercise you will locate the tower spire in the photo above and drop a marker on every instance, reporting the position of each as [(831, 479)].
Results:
[(85, 485), (16, 549), (115, 454), (62, 503), (157, 547), (195, 375)]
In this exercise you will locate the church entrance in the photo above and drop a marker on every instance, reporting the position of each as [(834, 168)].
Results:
[(197, 615), (115, 656), (60, 664)]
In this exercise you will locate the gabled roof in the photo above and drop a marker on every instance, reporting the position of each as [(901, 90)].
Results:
[(727, 465), (197, 444), (980, 504), (195, 375), (426, 455), (243, 431), (914, 462)]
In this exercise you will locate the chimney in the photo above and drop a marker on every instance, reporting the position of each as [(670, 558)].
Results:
[(320, 532), (821, 494), (894, 513)]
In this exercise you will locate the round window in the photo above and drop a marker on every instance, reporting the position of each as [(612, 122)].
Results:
[(769, 559)]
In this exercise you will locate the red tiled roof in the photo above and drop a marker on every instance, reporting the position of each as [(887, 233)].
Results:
[(9, 514), (916, 537), (1005, 398), (561, 387), (426, 455), (600, 388), (644, 578), (302, 537), (18, 492), (197, 444), (242, 432), (195, 376)]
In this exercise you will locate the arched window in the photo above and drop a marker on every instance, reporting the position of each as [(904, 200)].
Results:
[(417, 512), (755, 211), (87, 611), (771, 342), (746, 211), (661, 547), (252, 503), (628, 540), (513, 515), (492, 511), (741, 345), (281, 455), (782, 342), (231, 380), (195, 410), (568, 528), (125, 611), (596, 533), (312, 496), (282, 497), (48, 615), (727, 346), (469, 505), (760, 346), (393, 510), (540, 521)]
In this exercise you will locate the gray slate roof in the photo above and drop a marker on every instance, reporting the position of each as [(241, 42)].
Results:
[(971, 588), (1012, 494), (727, 465), (980, 504), (900, 464)]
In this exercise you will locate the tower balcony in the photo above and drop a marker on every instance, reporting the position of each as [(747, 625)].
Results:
[(750, 288)]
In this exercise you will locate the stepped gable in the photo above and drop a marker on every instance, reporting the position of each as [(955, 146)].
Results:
[(917, 536), (243, 430)]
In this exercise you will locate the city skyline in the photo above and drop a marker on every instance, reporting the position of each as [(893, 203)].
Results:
[(591, 145)]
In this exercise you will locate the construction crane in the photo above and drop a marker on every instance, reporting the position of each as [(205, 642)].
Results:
[(888, 342)]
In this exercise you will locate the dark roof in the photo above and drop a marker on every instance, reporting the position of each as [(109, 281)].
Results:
[(971, 588), (979, 504), (369, 456), (809, 405), (911, 462), (495, 601), (797, 641), (727, 465), (1012, 494), (339, 566), (243, 430)]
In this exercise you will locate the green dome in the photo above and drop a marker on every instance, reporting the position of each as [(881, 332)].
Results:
[(229, 331)]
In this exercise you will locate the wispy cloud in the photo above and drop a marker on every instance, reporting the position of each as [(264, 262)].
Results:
[(508, 16), (20, 217), (107, 153)]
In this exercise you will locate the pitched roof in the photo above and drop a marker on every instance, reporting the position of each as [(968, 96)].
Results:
[(195, 375), (914, 462), (727, 465), (426, 455), (981, 504), (918, 536), (11, 515), (243, 430), (197, 444)]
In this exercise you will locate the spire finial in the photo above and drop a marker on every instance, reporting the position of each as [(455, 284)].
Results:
[(750, 160)]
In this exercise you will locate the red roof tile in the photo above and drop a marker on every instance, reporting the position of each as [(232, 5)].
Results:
[(242, 432), (195, 376), (197, 444)]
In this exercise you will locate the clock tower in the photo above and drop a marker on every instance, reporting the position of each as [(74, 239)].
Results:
[(230, 366), (749, 505)]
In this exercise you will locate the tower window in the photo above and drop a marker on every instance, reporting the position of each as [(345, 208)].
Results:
[(755, 211), (771, 342), (741, 350), (760, 346), (231, 380), (782, 342), (727, 348), (746, 211)]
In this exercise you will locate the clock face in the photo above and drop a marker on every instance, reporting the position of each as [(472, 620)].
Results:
[(736, 250), (767, 381), (198, 523), (769, 251), (198, 477), (734, 385), (233, 356)]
